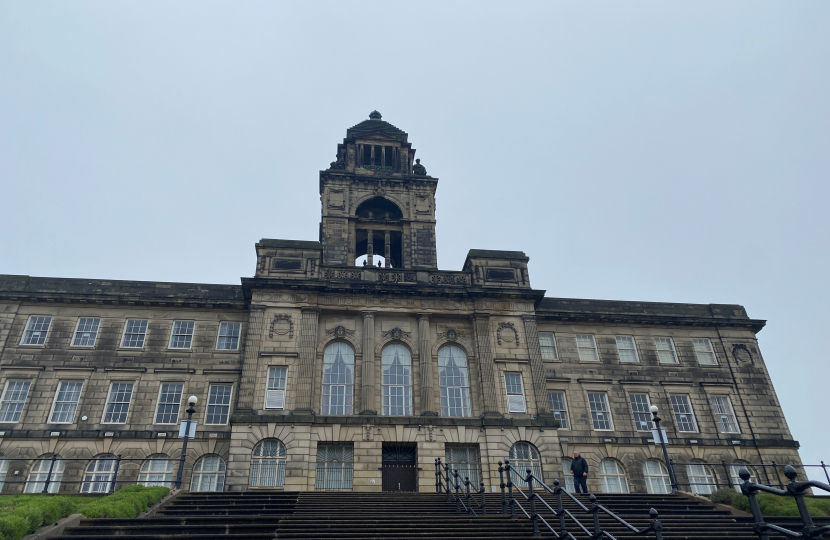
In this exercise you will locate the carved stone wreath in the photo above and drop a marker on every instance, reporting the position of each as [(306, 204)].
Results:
[(741, 353), (340, 332), (396, 333), (507, 326), (281, 330)]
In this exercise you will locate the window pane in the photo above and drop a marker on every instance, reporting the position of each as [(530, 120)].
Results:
[(134, 332), (627, 349), (14, 398), (338, 379), (724, 414), (219, 404), (86, 332), (665, 350), (182, 335), (587, 348), (396, 380), (228, 336), (453, 382), (36, 330), (559, 409), (600, 415), (642, 417), (170, 398), (704, 351), (66, 402), (118, 403), (683, 414), (547, 343)]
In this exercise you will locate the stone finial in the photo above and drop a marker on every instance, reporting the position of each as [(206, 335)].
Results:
[(374, 115), (419, 169)]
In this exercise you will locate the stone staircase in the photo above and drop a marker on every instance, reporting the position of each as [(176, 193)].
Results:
[(368, 516)]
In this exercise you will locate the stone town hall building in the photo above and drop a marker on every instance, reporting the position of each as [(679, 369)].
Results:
[(321, 373)]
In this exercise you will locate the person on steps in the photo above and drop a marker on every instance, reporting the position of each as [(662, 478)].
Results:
[(579, 468)]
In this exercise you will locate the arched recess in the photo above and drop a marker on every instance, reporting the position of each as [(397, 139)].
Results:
[(454, 382), (99, 474), (379, 207), (459, 341), (379, 225), (396, 380), (268, 464), (156, 470), (656, 476), (613, 478), (400, 337), (39, 471), (338, 375), (353, 343), (208, 474), (523, 456)]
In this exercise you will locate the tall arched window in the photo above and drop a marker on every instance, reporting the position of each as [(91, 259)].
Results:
[(701, 478), (524, 456), (735, 473), (208, 474), (569, 478), (338, 379), (157, 470), (453, 381), (268, 464), (657, 477), (36, 480), (612, 476), (4, 468), (397, 380), (99, 474)]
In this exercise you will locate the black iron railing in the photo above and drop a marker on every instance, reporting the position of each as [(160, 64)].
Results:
[(723, 476), (794, 489), (450, 480), (447, 481)]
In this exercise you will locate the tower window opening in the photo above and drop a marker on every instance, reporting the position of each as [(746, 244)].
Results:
[(377, 157)]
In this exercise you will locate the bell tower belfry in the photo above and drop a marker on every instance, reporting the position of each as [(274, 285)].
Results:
[(378, 201)]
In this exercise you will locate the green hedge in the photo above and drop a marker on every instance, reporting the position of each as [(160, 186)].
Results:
[(26, 513), (772, 505)]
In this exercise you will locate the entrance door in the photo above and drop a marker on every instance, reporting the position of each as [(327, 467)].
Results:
[(399, 467)]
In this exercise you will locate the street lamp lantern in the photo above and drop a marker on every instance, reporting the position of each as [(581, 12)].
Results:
[(191, 401), (658, 433)]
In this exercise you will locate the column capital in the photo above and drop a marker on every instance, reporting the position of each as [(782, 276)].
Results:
[(368, 313), (478, 315), (310, 309), (257, 307), (423, 316), (529, 317)]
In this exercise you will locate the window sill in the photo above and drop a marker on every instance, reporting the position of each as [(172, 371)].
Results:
[(32, 345), (84, 347)]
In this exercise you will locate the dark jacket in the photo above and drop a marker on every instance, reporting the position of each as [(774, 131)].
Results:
[(579, 466)]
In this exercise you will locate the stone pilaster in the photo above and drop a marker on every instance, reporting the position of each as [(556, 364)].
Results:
[(250, 363), (305, 359), (367, 390), (537, 366), (484, 352), (425, 366)]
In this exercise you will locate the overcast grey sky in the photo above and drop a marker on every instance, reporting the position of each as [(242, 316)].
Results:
[(663, 151)]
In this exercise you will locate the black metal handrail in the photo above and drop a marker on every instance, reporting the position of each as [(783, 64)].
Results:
[(655, 525), (729, 480), (795, 490), (454, 482)]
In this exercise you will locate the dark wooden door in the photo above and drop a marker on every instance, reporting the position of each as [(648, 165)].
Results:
[(399, 468)]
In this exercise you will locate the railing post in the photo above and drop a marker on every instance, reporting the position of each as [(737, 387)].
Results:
[(754, 507), (501, 485), (437, 465), (457, 494), (557, 490), (798, 495), (823, 466), (595, 510), (115, 474), (483, 498), (447, 474), (675, 485), (726, 470), (467, 497), (656, 524), (507, 468), (49, 474), (534, 517)]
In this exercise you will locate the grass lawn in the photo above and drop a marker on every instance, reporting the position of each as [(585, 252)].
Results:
[(772, 505)]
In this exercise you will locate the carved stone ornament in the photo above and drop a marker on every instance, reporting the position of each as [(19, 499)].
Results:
[(419, 169), (431, 433), (741, 354), (507, 338), (340, 163), (396, 333), (340, 332), (281, 325), (379, 191), (368, 432)]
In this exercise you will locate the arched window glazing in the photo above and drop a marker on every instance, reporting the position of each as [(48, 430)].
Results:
[(268, 464), (735, 476), (524, 456), (338, 379), (453, 381), (657, 477), (569, 478), (4, 468), (612, 476), (156, 470), (208, 474), (397, 380), (99, 474), (36, 480), (701, 478)]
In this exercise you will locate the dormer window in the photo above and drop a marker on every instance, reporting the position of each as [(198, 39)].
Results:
[(379, 157)]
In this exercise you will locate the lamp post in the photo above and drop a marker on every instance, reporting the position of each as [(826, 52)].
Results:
[(192, 403), (672, 478)]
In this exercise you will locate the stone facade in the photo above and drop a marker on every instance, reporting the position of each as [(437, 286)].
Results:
[(307, 298)]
